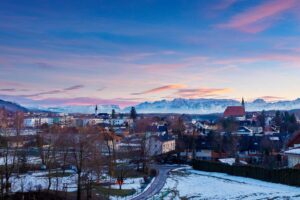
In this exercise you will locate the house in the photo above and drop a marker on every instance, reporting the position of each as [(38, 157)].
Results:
[(236, 112), (117, 122), (102, 115), (249, 147), (160, 144), (293, 156), (294, 142), (37, 121), (293, 153), (244, 131), (205, 127), (270, 130)]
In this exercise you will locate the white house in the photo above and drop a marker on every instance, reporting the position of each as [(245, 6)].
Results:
[(158, 145), (244, 131), (117, 122), (293, 157), (37, 121)]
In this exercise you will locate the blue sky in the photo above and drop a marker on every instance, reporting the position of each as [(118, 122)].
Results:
[(125, 52)]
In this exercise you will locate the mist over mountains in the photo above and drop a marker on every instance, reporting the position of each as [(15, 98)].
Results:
[(188, 106), (180, 105)]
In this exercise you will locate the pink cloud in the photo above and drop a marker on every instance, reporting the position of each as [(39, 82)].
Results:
[(260, 17), (84, 101), (8, 90), (271, 98), (160, 89), (202, 92), (75, 87), (9, 83), (50, 92)]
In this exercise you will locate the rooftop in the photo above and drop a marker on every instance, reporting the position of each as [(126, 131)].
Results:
[(234, 111)]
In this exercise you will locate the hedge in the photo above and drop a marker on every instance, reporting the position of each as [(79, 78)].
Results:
[(285, 176)]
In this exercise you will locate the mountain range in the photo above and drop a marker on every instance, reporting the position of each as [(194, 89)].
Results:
[(179, 105), (13, 107)]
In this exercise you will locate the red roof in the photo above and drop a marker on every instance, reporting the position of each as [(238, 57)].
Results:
[(294, 140), (234, 111)]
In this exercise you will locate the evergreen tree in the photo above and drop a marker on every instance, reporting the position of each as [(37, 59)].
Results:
[(133, 114), (277, 119), (113, 114), (262, 119)]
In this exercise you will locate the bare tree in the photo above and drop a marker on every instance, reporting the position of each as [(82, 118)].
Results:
[(8, 153), (83, 144)]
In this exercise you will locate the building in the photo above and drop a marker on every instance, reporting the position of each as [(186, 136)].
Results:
[(236, 112), (293, 156), (293, 152), (37, 121), (294, 142), (158, 145), (243, 130)]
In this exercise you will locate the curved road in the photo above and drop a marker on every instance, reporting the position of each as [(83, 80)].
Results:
[(158, 182)]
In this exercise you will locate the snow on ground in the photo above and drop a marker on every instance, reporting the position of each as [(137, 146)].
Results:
[(29, 160), (39, 180), (194, 184), (132, 183)]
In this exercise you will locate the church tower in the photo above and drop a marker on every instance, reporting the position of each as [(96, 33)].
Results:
[(243, 102), (96, 111)]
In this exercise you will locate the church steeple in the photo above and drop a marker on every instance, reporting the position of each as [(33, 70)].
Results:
[(96, 110), (243, 102)]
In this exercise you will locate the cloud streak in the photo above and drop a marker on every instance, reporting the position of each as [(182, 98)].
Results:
[(260, 17), (202, 92), (50, 92), (271, 98), (75, 87), (160, 89), (8, 90)]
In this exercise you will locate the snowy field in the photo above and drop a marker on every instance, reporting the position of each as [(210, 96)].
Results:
[(192, 184), (39, 180)]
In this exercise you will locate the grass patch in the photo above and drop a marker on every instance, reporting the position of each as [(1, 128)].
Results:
[(114, 192)]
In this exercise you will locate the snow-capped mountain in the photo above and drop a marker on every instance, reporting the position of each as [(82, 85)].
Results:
[(85, 109), (207, 106), (180, 105), (192, 106)]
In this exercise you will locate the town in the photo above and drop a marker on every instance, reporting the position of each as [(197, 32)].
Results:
[(114, 154), (149, 100)]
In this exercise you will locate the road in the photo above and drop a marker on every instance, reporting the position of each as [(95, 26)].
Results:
[(158, 182)]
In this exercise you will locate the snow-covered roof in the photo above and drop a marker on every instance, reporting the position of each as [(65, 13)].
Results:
[(231, 161), (293, 151)]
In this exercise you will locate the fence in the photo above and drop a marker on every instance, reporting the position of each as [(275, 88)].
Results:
[(284, 176)]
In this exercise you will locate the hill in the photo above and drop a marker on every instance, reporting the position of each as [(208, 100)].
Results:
[(13, 107)]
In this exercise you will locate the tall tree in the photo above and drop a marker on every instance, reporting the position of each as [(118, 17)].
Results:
[(262, 119), (133, 114), (113, 114), (178, 129)]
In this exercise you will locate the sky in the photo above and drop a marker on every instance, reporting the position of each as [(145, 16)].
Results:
[(55, 53)]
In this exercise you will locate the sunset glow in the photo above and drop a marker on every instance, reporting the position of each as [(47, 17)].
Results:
[(120, 52)]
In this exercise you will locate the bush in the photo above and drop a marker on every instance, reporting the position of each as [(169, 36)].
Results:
[(284, 176)]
